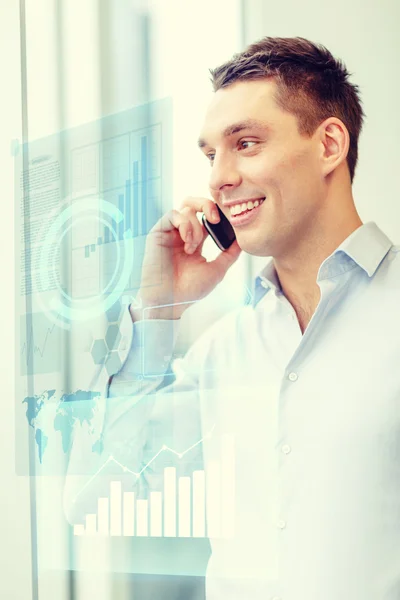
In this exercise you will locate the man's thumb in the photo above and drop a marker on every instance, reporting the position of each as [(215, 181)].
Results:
[(226, 259)]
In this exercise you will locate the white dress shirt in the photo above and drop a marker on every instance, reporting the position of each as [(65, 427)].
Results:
[(314, 509)]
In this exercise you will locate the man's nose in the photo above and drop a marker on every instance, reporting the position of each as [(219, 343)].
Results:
[(224, 172)]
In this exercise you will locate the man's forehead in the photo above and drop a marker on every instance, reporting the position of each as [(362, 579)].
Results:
[(247, 104)]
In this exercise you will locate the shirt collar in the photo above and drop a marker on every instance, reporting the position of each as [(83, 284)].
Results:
[(366, 247)]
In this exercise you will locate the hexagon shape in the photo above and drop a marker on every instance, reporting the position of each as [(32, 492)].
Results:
[(113, 363), (114, 312), (113, 336), (99, 352)]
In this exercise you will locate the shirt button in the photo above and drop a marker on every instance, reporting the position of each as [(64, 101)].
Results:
[(281, 524), (293, 376), (286, 449), (264, 284)]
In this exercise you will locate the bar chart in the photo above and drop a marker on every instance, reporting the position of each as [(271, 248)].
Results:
[(134, 186), (130, 178), (198, 505)]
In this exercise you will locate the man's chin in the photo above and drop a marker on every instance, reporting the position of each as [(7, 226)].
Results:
[(252, 246)]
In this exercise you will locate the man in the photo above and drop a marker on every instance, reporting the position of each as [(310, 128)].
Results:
[(306, 379)]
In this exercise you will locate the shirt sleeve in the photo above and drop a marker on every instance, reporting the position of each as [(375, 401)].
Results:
[(151, 422)]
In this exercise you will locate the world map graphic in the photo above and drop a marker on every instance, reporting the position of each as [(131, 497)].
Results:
[(70, 410)]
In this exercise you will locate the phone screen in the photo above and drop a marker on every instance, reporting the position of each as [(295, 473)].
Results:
[(222, 232)]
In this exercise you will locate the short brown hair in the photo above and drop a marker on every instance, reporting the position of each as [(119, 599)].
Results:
[(311, 84)]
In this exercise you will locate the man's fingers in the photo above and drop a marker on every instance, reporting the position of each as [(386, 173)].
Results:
[(176, 220), (197, 227), (204, 205), (185, 220)]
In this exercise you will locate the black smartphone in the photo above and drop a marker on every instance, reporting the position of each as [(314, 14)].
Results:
[(222, 232)]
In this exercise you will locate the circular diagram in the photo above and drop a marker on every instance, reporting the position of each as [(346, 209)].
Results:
[(79, 283)]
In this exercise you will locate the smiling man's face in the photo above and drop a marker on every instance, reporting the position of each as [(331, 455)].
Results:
[(257, 155)]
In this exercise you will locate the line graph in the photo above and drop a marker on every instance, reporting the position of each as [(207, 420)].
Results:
[(199, 504), (40, 346), (137, 474)]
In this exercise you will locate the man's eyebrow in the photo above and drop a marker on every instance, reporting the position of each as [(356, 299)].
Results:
[(235, 128)]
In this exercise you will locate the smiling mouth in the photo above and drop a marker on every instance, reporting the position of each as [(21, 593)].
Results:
[(244, 208)]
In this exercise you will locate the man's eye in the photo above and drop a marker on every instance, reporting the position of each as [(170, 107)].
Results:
[(211, 155), (247, 142)]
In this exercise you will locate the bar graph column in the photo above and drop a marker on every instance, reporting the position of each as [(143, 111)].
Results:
[(115, 508), (121, 224), (129, 513), (170, 502), (199, 525), (184, 507), (142, 517), (156, 514), (228, 485), (79, 530), (128, 207), (143, 178), (135, 215), (103, 518), (91, 524), (213, 499)]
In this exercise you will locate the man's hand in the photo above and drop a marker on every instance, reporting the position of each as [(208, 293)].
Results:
[(174, 270)]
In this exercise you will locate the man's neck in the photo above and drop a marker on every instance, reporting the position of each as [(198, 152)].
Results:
[(298, 273)]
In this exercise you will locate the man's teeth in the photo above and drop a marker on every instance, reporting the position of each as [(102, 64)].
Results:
[(237, 209)]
